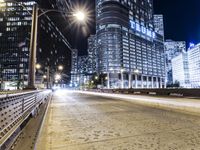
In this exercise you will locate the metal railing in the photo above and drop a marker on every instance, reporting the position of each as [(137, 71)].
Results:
[(15, 108)]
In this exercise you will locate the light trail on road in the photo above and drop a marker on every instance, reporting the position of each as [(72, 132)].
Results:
[(182, 104)]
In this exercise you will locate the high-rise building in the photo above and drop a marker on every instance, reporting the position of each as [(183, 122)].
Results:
[(86, 65), (186, 68), (180, 70), (92, 56), (194, 65), (130, 49), (159, 24), (15, 26), (172, 49), (74, 68), (83, 73)]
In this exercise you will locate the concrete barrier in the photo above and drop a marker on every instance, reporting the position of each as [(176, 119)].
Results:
[(159, 92)]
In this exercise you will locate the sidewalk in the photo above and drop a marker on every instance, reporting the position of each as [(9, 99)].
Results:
[(186, 105)]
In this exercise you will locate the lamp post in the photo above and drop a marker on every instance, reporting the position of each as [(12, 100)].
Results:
[(33, 42), (33, 48)]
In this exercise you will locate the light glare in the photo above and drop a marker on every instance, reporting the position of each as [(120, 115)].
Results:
[(80, 15)]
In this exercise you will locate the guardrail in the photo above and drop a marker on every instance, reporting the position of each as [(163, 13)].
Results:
[(11, 92), (15, 108), (161, 92)]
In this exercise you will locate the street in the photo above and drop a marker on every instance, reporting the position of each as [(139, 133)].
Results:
[(77, 121)]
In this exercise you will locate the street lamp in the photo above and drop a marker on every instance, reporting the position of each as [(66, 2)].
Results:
[(79, 15), (136, 71), (57, 77), (60, 68), (96, 78), (38, 66), (44, 76)]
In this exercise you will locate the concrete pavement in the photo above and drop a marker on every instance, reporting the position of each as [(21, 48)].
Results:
[(181, 104), (77, 121)]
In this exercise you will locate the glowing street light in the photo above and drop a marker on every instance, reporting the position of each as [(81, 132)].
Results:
[(96, 77), (38, 66), (136, 71), (80, 16), (57, 77), (44, 76), (60, 68)]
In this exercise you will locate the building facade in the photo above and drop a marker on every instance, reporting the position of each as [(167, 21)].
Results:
[(159, 24), (194, 65), (92, 55), (129, 49), (186, 68), (83, 72), (74, 68), (180, 70), (172, 49), (15, 27)]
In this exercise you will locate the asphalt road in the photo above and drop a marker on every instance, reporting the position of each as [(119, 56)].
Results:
[(83, 122)]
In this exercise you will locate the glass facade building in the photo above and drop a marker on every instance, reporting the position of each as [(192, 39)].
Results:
[(129, 49)]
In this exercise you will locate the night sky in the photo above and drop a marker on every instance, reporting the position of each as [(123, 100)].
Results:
[(181, 20)]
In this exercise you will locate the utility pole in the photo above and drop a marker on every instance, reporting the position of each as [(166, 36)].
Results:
[(33, 48)]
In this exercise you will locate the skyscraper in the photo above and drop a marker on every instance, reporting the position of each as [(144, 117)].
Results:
[(172, 49), (92, 56), (159, 24), (180, 70), (74, 68), (194, 65), (186, 68), (129, 48)]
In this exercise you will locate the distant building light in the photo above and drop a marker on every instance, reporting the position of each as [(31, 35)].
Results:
[(191, 45)]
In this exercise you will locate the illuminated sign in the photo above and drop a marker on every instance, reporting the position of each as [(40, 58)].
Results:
[(139, 28)]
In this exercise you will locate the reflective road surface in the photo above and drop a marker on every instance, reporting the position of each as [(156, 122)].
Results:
[(77, 121)]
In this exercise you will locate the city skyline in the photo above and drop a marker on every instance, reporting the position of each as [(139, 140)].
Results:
[(185, 29)]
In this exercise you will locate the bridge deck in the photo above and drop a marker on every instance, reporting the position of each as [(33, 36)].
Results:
[(82, 122)]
